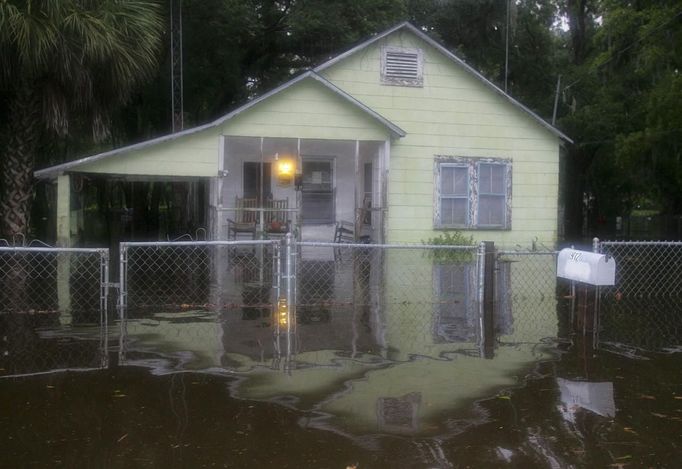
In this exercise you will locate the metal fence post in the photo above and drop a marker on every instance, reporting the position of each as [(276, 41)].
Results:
[(486, 296), (122, 301), (481, 280), (104, 286), (285, 307), (596, 247), (290, 281)]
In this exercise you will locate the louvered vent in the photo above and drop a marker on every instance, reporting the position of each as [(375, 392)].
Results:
[(402, 67)]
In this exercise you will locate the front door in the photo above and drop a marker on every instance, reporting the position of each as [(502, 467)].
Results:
[(318, 191)]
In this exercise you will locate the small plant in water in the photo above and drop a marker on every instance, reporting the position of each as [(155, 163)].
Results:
[(451, 238)]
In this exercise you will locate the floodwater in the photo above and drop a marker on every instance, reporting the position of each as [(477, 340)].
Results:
[(340, 389)]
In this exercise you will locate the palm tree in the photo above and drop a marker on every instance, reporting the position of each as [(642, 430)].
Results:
[(62, 61)]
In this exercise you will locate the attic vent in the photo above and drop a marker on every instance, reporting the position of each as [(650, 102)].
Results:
[(401, 67)]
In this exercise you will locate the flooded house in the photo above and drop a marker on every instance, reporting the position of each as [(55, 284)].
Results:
[(394, 141), (397, 139)]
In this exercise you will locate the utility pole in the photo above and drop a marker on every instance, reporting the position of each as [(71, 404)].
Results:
[(556, 99), (176, 65), (506, 49)]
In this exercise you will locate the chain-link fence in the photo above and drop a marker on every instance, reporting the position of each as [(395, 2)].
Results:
[(53, 309), (642, 308), (645, 269), (413, 295), (531, 302), (164, 277), (389, 300)]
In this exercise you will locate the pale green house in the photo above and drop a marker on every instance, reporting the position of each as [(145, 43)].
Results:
[(397, 136)]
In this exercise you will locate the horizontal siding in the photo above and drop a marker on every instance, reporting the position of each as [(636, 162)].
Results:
[(193, 155), (454, 114), (307, 110)]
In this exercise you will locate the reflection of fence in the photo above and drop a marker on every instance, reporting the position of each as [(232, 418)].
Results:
[(42, 289)]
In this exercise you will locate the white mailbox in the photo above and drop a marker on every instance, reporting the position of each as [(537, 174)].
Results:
[(587, 267)]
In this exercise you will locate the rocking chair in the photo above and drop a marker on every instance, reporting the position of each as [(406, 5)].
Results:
[(277, 221), (245, 220)]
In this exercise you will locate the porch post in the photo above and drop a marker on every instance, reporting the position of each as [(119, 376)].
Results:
[(64, 241), (356, 212), (64, 211), (384, 190), (213, 205)]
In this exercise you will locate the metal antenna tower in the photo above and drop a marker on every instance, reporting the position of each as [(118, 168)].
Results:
[(176, 64)]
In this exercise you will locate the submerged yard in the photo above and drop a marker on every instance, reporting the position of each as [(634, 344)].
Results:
[(373, 371), (156, 410)]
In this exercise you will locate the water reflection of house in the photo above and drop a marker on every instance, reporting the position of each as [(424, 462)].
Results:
[(397, 365), (595, 397)]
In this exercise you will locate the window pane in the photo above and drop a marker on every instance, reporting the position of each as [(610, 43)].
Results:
[(453, 212), (491, 210), (454, 181), (317, 175), (491, 179)]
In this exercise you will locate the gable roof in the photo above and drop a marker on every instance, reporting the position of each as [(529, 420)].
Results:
[(408, 26), (313, 74), (395, 131)]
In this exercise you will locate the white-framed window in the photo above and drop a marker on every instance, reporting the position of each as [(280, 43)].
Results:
[(472, 193), (402, 66)]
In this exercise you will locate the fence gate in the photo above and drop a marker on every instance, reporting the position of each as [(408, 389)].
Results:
[(45, 293), (164, 285)]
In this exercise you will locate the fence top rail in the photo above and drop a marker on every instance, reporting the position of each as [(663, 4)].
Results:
[(527, 253), (640, 243), (384, 246), (197, 243), (54, 250)]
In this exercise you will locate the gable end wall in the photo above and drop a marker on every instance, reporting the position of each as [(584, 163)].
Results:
[(454, 114)]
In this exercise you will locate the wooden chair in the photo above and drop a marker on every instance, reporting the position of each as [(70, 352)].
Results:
[(345, 232), (277, 221), (245, 220)]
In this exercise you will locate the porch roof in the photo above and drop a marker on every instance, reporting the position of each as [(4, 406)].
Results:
[(395, 131)]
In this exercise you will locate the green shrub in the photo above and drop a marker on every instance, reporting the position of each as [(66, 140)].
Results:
[(450, 238)]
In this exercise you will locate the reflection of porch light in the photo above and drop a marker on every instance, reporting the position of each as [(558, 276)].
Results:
[(282, 312), (285, 170)]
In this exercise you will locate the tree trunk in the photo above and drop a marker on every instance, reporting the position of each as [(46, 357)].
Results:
[(17, 164)]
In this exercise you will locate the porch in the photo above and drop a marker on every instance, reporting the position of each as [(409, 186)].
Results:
[(269, 186)]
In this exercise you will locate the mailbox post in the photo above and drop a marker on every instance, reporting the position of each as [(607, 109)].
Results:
[(590, 270)]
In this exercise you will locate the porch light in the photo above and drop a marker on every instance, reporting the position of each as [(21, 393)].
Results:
[(286, 168)]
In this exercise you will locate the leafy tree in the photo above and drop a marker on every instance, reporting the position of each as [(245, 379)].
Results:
[(60, 61), (623, 109)]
